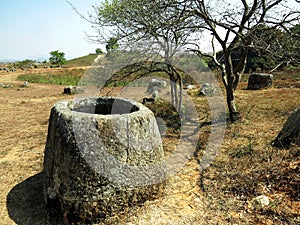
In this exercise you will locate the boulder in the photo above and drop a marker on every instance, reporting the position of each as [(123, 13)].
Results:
[(70, 90), (259, 202), (25, 84), (102, 155), (190, 87), (290, 132), (156, 85), (259, 80)]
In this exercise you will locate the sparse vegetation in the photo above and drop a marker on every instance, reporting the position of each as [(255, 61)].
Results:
[(87, 60), (67, 77), (164, 110), (57, 58), (247, 165)]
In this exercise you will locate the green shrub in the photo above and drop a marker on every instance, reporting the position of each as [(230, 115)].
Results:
[(165, 110)]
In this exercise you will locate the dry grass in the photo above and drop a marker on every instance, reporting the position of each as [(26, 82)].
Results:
[(246, 166)]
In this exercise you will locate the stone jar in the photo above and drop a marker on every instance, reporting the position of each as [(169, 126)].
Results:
[(259, 80), (102, 156)]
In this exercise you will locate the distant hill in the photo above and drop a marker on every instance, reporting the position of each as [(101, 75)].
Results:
[(37, 58), (87, 60), (7, 61)]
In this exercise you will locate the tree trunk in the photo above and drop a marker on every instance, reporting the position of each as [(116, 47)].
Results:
[(234, 115), (236, 80), (176, 98), (172, 90), (230, 80), (176, 94), (240, 68), (180, 95)]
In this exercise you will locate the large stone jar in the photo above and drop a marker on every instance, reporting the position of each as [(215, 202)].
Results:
[(259, 80), (102, 156)]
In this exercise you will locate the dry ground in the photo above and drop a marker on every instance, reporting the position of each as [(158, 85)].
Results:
[(246, 166)]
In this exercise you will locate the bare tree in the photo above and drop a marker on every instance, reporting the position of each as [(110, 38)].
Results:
[(167, 25), (152, 27), (233, 24)]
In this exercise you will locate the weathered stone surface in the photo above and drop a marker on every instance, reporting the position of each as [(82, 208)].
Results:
[(290, 131), (259, 80), (101, 157)]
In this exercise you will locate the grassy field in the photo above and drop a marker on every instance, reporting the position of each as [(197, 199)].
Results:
[(246, 165), (87, 60), (60, 77)]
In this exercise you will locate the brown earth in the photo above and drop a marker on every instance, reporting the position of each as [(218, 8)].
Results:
[(246, 166)]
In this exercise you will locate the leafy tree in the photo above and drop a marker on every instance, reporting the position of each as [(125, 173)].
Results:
[(240, 25), (112, 45), (57, 58), (99, 51), (294, 43), (149, 27), (277, 48), (168, 24)]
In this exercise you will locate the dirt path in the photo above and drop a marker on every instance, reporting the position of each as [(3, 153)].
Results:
[(24, 114), (10, 77), (23, 128)]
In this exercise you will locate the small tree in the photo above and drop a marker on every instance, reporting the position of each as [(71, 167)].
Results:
[(112, 45), (99, 51), (57, 58), (240, 24), (150, 27), (167, 24)]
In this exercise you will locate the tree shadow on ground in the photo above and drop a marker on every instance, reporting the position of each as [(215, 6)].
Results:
[(25, 203)]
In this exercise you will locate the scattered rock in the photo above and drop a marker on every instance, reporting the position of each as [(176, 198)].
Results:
[(148, 100), (259, 202), (207, 89), (6, 86), (290, 132), (25, 84), (259, 80), (99, 58), (155, 95), (156, 85), (70, 90), (190, 87)]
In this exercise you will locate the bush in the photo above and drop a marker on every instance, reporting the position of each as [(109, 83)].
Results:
[(165, 110)]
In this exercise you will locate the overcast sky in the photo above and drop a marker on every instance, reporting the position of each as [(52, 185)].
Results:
[(33, 28)]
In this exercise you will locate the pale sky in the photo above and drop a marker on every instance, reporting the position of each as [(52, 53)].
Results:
[(33, 28)]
